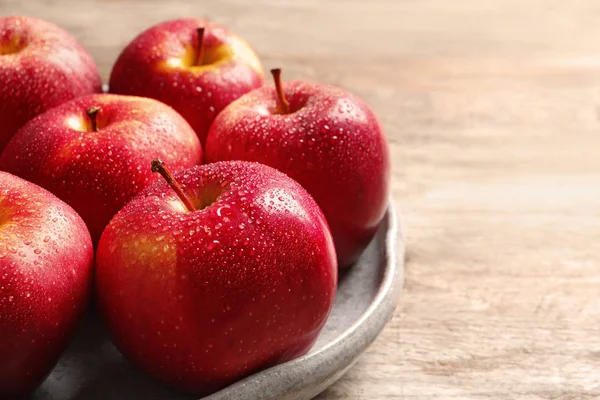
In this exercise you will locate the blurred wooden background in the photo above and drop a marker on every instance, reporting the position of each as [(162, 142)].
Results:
[(492, 109)]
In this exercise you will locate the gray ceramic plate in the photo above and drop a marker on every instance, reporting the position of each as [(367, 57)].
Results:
[(93, 369)]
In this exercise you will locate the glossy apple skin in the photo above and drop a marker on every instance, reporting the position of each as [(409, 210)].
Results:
[(50, 68), (156, 64), (45, 281), (201, 299), (332, 144), (96, 173)]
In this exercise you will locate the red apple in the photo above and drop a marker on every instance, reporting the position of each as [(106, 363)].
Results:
[(327, 139), (196, 66), (45, 281), (41, 66), (202, 295), (72, 149)]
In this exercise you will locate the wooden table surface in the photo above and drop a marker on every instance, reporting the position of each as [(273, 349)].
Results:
[(492, 109)]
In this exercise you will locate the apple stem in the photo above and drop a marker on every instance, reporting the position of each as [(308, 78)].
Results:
[(92, 112), (283, 107), (200, 48), (159, 166)]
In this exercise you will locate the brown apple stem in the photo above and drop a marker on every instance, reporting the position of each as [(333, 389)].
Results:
[(92, 112), (159, 166), (283, 107), (200, 48)]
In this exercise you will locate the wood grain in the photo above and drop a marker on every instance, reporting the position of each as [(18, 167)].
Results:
[(492, 109)]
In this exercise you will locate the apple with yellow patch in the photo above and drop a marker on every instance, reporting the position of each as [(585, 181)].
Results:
[(93, 152), (221, 271), (194, 65), (41, 66)]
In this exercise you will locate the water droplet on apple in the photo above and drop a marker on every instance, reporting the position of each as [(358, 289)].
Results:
[(212, 245)]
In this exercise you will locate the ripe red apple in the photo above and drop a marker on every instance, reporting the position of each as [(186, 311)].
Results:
[(202, 295), (72, 150), (327, 139), (45, 281), (196, 66), (41, 66)]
